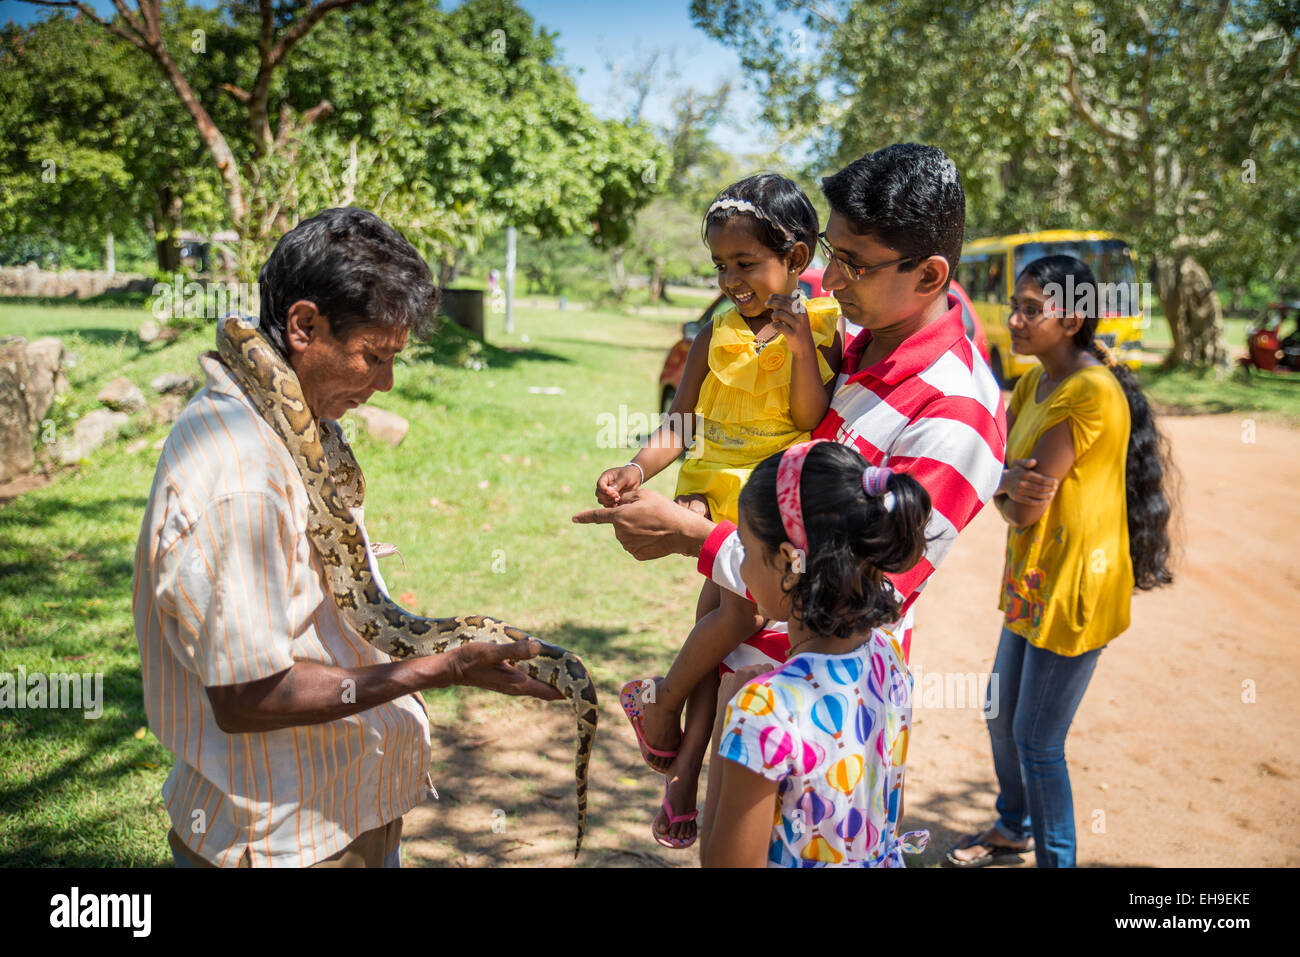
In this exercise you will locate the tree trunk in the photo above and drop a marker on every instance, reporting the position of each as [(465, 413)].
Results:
[(166, 229), (447, 270), (657, 282), (1192, 308), (617, 274)]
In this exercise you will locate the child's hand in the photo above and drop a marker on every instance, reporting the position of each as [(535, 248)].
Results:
[(790, 318), (614, 482), (699, 504)]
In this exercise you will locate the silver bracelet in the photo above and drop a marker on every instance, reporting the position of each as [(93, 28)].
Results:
[(639, 469)]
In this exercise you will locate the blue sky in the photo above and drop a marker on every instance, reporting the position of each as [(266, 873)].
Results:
[(624, 32)]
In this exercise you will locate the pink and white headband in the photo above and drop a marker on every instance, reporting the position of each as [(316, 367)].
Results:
[(789, 476)]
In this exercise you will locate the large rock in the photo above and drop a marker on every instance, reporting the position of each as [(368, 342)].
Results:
[(16, 453), (91, 431), (154, 332), (122, 395), (45, 377), (167, 410), (174, 382), (385, 426)]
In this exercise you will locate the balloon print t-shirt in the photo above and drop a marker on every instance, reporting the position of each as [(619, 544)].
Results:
[(833, 730)]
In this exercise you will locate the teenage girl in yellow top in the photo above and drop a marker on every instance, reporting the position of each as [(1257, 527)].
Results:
[(758, 378), (1089, 514)]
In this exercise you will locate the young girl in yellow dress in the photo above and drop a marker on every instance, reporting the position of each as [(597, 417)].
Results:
[(758, 378)]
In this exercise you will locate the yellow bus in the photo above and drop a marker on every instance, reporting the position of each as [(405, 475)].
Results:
[(988, 271)]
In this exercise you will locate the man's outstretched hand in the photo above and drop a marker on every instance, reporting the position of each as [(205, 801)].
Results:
[(648, 525), (482, 664)]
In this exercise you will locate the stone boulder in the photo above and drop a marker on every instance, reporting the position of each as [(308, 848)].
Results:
[(167, 410), (177, 383), (155, 332), (16, 452), (91, 431), (44, 376), (385, 426), (122, 395)]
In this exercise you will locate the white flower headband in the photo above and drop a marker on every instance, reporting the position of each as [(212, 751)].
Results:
[(745, 206)]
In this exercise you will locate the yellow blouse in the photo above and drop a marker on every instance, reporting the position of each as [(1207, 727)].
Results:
[(743, 413), (1068, 577)]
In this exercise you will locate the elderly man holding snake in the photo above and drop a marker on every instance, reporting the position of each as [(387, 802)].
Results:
[(297, 742)]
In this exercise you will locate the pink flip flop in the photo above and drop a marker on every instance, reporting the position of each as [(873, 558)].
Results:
[(630, 699), (667, 840)]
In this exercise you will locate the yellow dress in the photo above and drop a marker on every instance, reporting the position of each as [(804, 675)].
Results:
[(1068, 577), (743, 413)]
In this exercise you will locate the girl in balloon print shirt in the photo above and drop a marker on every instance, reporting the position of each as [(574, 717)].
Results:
[(813, 753)]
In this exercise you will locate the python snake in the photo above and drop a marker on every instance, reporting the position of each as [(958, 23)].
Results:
[(334, 482)]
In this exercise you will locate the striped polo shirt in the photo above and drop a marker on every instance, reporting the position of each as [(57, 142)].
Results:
[(930, 408), (229, 590)]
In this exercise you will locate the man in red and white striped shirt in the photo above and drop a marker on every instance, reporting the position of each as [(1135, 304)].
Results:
[(912, 394)]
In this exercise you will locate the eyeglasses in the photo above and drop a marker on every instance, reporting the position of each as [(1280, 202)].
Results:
[(1029, 311), (855, 273)]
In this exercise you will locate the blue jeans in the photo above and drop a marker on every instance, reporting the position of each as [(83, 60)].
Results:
[(1037, 693)]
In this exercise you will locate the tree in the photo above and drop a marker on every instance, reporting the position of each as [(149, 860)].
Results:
[(80, 154), (1147, 119), (666, 239), (452, 123), (473, 105), (149, 29)]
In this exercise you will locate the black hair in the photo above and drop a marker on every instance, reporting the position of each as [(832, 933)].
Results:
[(1148, 469), (852, 538), (790, 215), (356, 268), (908, 197)]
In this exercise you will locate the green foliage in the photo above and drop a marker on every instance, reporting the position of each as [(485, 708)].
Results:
[(464, 123), (1101, 114), (451, 124), (90, 135)]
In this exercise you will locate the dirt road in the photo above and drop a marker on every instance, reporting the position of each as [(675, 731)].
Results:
[(1185, 750)]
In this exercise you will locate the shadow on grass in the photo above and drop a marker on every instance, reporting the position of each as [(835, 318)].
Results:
[(42, 509), (100, 337), (82, 746), (450, 345)]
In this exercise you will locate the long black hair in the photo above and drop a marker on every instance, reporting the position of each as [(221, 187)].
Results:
[(791, 217), (1148, 470), (853, 539)]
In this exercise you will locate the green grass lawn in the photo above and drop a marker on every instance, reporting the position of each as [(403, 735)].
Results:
[(478, 498), (1158, 338)]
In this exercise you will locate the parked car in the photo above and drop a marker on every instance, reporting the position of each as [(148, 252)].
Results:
[(810, 281)]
